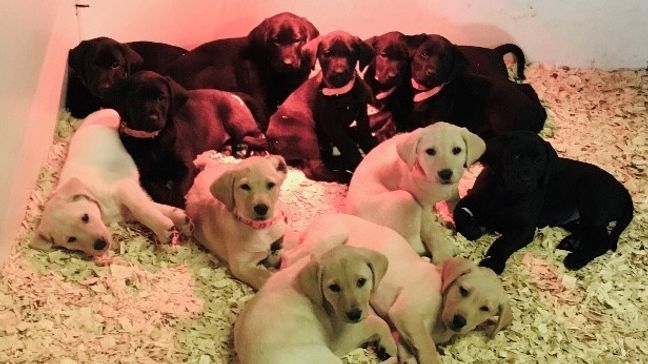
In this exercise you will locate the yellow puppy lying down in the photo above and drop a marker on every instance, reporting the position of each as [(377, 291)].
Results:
[(315, 311), (426, 304), (99, 185), (238, 215)]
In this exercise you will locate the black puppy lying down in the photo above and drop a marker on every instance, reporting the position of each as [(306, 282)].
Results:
[(330, 108), (164, 127), (529, 186), (99, 63)]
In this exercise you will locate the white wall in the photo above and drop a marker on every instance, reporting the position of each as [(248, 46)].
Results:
[(35, 38), (586, 33)]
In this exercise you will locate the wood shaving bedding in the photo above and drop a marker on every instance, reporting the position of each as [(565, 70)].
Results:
[(171, 304)]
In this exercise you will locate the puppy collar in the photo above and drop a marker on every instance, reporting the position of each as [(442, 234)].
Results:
[(425, 93), (384, 94), (260, 224), (140, 134), (327, 91)]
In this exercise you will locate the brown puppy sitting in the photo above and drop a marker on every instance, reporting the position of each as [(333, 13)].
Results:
[(99, 63), (164, 127), (238, 214), (332, 106), (267, 64)]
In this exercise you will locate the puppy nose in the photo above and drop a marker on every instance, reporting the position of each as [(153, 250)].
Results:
[(99, 244), (153, 117), (458, 321), (355, 314), (430, 72), (261, 209), (288, 61), (445, 174)]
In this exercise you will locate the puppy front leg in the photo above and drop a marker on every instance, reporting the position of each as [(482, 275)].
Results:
[(435, 238), (372, 331), (178, 216), (412, 331), (504, 246), (247, 268), (144, 210)]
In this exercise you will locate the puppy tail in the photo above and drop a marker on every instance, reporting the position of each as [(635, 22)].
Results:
[(622, 223), (519, 57)]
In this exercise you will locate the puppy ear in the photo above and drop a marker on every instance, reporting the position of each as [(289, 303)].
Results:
[(371, 41), (40, 241), (460, 63), (76, 56), (552, 160), (179, 94), (452, 269), (309, 52), (378, 263), (134, 61), (505, 318), (258, 37), (407, 146), (74, 188), (280, 164), (493, 153), (311, 31), (475, 146), (223, 187), (412, 42), (365, 53), (310, 281)]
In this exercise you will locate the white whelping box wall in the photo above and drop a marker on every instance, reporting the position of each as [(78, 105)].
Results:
[(37, 35)]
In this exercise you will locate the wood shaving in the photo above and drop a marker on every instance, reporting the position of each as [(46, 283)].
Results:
[(149, 303)]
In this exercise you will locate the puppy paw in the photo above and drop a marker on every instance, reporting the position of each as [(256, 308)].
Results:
[(466, 225), (569, 243), (574, 261), (165, 236), (182, 222), (497, 265)]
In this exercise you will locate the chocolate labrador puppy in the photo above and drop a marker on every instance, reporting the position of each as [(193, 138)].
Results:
[(528, 186), (330, 108), (99, 63), (267, 64), (485, 105), (388, 75), (164, 127)]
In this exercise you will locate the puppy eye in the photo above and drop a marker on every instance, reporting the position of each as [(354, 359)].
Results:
[(516, 156), (463, 292), (484, 308), (71, 239), (271, 185), (161, 98), (334, 287), (246, 187), (424, 54), (115, 65), (383, 55), (361, 282), (430, 151), (85, 218), (328, 53), (456, 150)]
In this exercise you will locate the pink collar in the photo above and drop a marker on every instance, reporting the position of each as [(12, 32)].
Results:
[(260, 224), (425, 93), (384, 94), (327, 91), (140, 134)]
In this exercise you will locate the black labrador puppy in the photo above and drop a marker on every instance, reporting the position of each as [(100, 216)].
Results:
[(487, 106), (164, 127), (97, 64), (267, 64), (388, 75), (528, 186), (330, 108)]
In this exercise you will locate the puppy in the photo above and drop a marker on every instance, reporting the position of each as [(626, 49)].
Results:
[(164, 127), (333, 104), (529, 186), (486, 106), (238, 215), (388, 75), (315, 311), (426, 304), (267, 64), (97, 64), (99, 186), (399, 181)]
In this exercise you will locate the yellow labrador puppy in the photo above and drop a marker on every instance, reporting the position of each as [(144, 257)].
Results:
[(398, 182), (99, 185), (426, 304), (315, 311), (238, 215)]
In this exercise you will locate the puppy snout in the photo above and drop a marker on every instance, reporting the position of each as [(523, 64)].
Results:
[(99, 244), (445, 175), (458, 322), (261, 209), (354, 314), (430, 72), (288, 61)]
